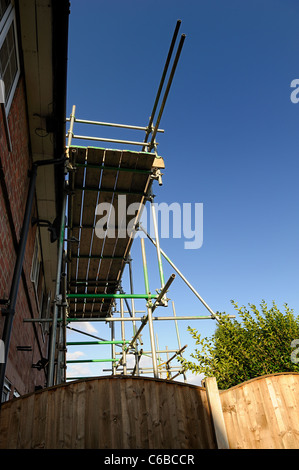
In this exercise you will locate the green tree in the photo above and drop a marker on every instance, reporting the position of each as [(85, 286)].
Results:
[(259, 344)]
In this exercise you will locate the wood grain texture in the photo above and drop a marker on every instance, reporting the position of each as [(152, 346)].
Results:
[(109, 413), (144, 413), (263, 413)]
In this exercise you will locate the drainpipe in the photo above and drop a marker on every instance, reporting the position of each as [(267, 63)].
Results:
[(9, 312)]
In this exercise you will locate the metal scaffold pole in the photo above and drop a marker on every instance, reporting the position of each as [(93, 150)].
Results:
[(132, 292), (177, 332), (61, 356), (153, 207), (176, 59), (181, 275), (123, 336), (71, 128), (149, 311), (112, 326), (113, 320), (164, 73), (137, 358), (50, 380)]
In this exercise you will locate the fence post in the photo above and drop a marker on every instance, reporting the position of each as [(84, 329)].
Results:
[(216, 412)]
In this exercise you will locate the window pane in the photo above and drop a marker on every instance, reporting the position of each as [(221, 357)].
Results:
[(6, 391), (3, 56), (4, 4), (8, 61)]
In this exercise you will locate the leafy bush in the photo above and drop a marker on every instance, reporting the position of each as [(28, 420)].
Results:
[(238, 351)]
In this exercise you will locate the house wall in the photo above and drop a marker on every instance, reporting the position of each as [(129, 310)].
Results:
[(14, 183)]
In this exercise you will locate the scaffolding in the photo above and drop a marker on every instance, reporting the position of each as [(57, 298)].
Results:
[(91, 267)]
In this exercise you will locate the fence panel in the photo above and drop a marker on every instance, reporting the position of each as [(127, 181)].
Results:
[(263, 413), (110, 413)]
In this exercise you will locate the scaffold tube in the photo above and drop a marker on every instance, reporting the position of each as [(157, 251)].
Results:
[(149, 312), (111, 296), (181, 275)]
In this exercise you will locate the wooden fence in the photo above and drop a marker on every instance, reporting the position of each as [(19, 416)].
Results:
[(109, 413), (263, 413), (144, 413)]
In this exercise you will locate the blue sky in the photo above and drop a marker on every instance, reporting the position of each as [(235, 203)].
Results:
[(231, 137)]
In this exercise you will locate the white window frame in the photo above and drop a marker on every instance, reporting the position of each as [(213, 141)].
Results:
[(45, 312), (36, 262), (6, 15), (5, 24), (6, 391)]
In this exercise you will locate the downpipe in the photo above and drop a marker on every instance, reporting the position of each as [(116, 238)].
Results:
[(9, 311)]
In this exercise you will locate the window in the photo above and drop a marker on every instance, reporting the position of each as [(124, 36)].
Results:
[(37, 277), (6, 391), (36, 262), (16, 393), (9, 60), (46, 312), (4, 4)]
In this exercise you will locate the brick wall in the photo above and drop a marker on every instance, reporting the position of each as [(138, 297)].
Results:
[(13, 194)]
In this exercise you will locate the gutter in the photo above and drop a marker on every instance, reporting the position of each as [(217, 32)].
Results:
[(60, 27)]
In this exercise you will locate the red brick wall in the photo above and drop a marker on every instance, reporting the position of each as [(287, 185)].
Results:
[(15, 166)]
